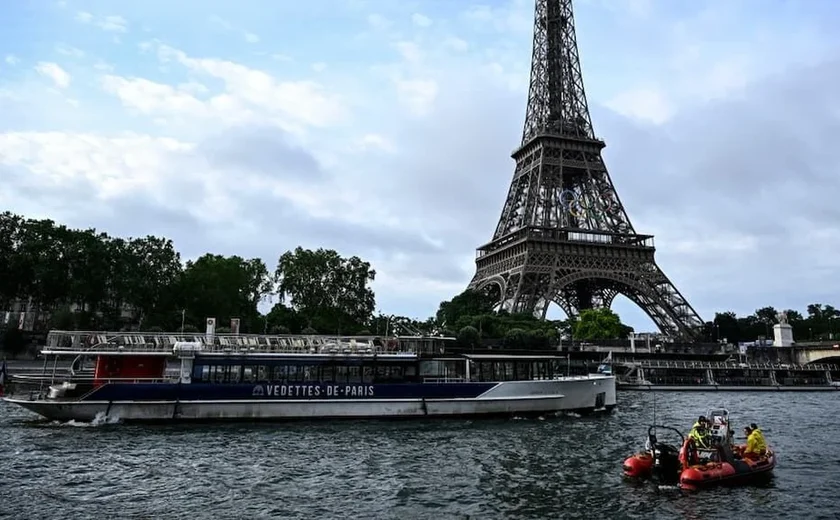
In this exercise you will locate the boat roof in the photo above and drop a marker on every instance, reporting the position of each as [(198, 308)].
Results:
[(74, 343), (479, 357)]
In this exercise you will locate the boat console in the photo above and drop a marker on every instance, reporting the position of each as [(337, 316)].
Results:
[(720, 430)]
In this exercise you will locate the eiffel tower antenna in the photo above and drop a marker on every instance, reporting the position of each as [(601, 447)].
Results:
[(563, 235)]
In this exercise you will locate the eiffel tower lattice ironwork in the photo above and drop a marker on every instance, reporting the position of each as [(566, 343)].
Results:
[(564, 235)]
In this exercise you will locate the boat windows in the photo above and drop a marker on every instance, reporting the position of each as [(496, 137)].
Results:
[(394, 372), (219, 374), (516, 369)]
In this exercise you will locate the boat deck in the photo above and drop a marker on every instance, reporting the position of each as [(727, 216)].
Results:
[(152, 343)]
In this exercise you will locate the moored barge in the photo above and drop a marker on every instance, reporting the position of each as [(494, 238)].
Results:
[(727, 376), (187, 377)]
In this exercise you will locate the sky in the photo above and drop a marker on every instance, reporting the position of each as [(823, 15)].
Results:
[(384, 129)]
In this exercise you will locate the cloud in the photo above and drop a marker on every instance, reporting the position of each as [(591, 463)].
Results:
[(110, 23), (377, 21), (260, 151), (54, 72), (305, 102), (227, 26), (720, 138), (421, 20), (741, 193), (68, 50), (11, 59)]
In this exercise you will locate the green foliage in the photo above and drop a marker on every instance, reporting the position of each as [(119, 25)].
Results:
[(469, 337), (279, 329), (103, 279), (224, 287), (822, 322), (471, 314), (329, 291), (468, 303), (83, 279), (595, 324)]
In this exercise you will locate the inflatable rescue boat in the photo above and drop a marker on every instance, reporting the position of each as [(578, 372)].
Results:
[(693, 467)]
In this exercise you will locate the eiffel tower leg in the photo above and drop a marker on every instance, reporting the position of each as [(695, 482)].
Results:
[(566, 306), (644, 284), (603, 298)]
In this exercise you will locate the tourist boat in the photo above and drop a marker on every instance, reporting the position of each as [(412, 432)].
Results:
[(691, 467), (172, 377)]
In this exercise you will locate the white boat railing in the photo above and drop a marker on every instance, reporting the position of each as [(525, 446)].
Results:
[(59, 342), (732, 365)]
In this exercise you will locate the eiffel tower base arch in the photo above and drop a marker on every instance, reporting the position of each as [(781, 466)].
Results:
[(584, 276)]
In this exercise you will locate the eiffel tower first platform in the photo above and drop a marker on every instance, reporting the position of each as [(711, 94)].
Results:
[(564, 235)]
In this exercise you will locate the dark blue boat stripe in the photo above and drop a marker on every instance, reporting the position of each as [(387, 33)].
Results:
[(289, 391)]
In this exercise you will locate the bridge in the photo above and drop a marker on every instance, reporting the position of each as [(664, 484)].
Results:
[(802, 353)]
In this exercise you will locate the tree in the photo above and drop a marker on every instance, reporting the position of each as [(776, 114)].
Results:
[(766, 315), (727, 326), (155, 268), (794, 316), (224, 288), (594, 324), (468, 303), (10, 265), (469, 337), (83, 278), (329, 291), (284, 320)]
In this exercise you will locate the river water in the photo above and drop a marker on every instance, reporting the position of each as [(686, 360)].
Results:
[(565, 467)]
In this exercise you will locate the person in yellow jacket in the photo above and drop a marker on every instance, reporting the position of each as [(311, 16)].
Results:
[(700, 433), (756, 445)]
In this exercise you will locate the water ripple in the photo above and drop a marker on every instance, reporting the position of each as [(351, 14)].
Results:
[(567, 467)]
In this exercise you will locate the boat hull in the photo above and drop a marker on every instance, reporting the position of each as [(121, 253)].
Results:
[(638, 466), (517, 398), (740, 472)]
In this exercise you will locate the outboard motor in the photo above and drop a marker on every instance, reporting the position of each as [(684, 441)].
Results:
[(658, 460), (666, 458), (666, 463)]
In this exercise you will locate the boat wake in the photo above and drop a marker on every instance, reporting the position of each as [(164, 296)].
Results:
[(99, 420)]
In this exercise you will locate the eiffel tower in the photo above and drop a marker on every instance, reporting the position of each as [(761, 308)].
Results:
[(564, 235)]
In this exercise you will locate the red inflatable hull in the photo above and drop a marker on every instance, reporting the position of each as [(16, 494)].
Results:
[(743, 471), (639, 465)]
